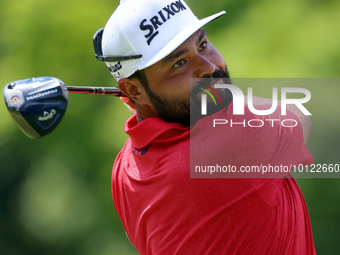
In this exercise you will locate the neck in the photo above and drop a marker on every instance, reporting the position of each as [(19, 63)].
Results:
[(143, 114)]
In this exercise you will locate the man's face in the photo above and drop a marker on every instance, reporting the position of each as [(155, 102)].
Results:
[(169, 79)]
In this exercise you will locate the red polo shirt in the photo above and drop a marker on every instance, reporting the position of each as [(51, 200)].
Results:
[(164, 211)]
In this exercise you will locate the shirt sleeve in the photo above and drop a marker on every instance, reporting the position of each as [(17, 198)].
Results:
[(257, 146), (274, 143)]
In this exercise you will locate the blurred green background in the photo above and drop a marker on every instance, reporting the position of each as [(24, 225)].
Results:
[(55, 195)]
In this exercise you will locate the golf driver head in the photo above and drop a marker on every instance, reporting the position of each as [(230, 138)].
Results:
[(36, 104)]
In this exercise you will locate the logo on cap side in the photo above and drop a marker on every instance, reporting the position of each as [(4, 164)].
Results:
[(159, 19), (114, 68)]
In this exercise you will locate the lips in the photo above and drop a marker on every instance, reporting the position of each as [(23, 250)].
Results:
[(218, 77), (216, 81)]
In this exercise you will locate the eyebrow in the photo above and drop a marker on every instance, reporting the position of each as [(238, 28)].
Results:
[(175, 55), (202, 34)]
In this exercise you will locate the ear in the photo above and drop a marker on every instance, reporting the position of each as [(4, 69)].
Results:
[(134, 90)]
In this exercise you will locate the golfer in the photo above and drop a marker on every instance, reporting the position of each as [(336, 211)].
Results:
[(154, 48)]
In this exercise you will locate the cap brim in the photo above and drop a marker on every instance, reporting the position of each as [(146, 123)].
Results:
[(179, 39)]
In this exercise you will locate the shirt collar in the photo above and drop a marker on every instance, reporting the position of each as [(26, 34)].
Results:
[(153, 130)]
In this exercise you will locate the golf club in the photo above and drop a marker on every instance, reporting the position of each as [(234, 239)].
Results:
[(38, 104)]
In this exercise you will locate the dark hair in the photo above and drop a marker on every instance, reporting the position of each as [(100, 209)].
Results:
[(140, 75)]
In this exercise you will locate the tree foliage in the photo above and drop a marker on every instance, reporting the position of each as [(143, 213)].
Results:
[(55, 192)]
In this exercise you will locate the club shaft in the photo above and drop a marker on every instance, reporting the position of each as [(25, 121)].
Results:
[(95, 90)]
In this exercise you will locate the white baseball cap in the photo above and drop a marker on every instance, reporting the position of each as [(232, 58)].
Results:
[(142, 32)]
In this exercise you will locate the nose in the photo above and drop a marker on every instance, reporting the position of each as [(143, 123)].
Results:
[(204, 67)]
